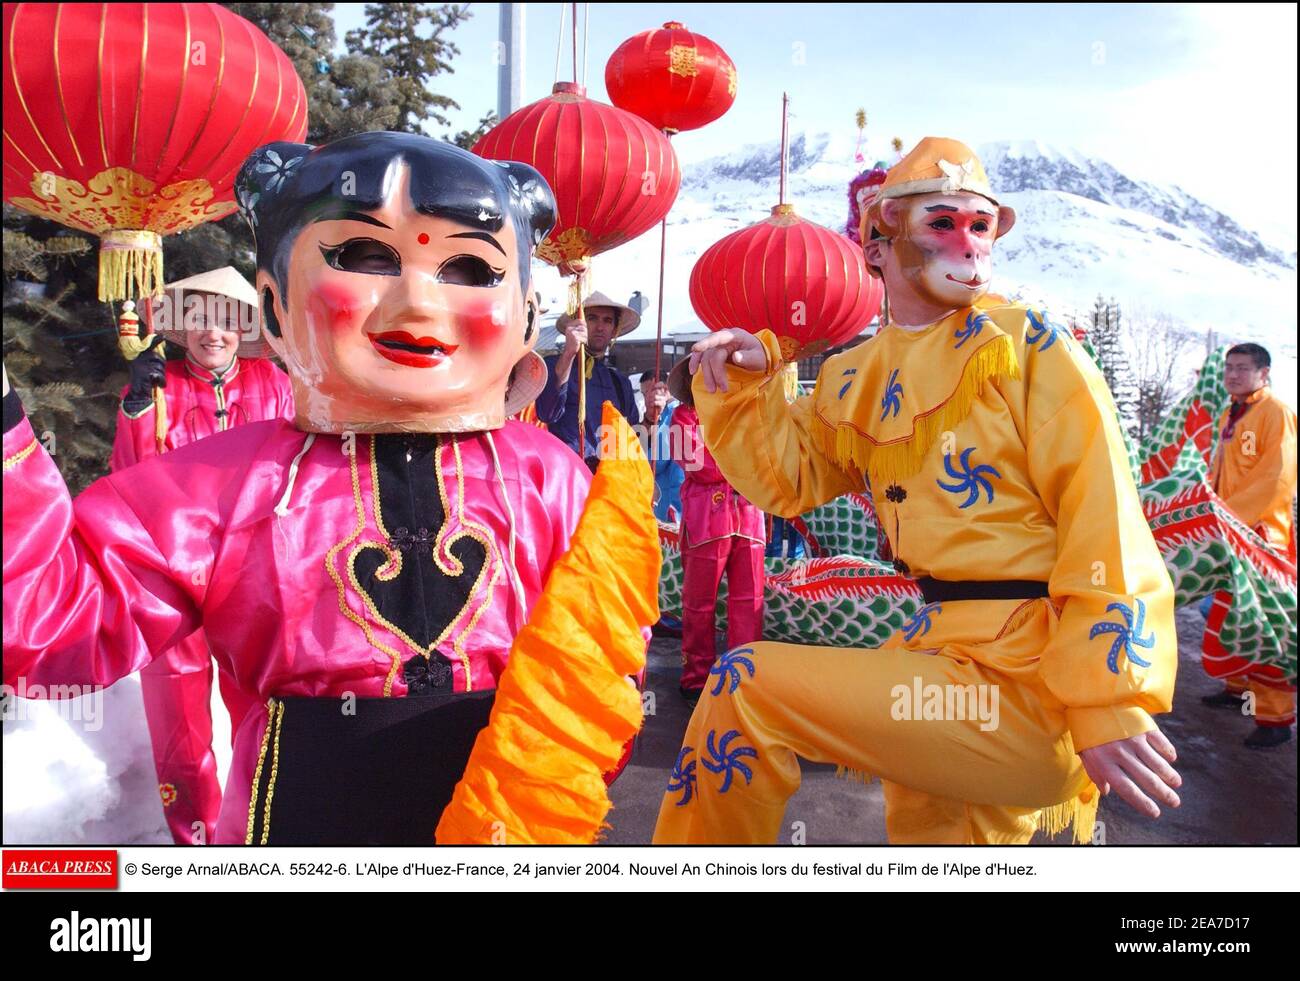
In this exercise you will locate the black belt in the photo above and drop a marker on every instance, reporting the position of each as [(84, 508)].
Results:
[(378, 776), (939, 591)]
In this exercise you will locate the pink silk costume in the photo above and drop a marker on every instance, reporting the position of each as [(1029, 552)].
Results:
[(721, 533), (254, 534), (177, 684)]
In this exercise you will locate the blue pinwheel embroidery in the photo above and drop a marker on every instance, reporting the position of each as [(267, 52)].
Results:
[(1127, 635), (920, 621), (1040, 327), (849, 373), (682, 779), (728, 668), (970, 480), (893, 395), (727, 760), (974, 324)]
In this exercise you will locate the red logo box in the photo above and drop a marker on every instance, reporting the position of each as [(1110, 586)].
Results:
[(59, 868)]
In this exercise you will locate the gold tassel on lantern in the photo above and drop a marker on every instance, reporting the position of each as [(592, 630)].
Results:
[(130, 264)]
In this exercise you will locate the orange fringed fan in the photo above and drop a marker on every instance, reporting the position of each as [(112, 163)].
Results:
[(564, 706)]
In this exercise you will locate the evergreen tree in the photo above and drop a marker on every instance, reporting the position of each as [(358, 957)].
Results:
[(60, 349), (393, 35), (1107, 339), (466, 138), (352, 93)]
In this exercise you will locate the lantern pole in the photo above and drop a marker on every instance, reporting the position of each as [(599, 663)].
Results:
[(785, 139), (653, 430), (575, 43), (510, 48), (582, 348)]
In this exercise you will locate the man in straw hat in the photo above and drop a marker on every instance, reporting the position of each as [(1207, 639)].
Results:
[(367, 571), (1025, 686), (224, 380), (592, 330)]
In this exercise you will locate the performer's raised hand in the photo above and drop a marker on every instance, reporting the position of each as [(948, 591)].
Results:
[(1135, 768), (731, 346), (148, 369)]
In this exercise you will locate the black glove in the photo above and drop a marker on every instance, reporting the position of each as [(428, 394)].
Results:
[(148, 370)]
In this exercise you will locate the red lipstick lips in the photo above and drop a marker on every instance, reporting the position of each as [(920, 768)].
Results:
[(971, 283), (414, 352)]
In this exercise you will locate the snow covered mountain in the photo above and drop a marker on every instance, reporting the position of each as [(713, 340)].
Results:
[(1084, 228)]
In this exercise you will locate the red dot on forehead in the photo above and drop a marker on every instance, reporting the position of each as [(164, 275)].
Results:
[(423, 238)]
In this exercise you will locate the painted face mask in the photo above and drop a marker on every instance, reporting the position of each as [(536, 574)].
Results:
[(944, 245), (393, 275), (941, 219)]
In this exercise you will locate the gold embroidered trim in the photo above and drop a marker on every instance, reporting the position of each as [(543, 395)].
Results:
[(442, 557), (449, 565), (332, 555), (481, 535), (20, 456), (257, 773), (275, 769)]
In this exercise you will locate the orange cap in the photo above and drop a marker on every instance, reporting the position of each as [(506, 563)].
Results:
[(935, 165)]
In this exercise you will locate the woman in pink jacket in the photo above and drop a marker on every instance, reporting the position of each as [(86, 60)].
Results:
[(224, 380)]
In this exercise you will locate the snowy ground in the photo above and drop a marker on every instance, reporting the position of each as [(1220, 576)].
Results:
[(81, 772)]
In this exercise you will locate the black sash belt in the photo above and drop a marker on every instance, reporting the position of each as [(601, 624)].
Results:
[(939, 591), (380, 776)]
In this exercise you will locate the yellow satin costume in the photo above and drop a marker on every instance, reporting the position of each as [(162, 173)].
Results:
[(990, 445), (1255, 474)]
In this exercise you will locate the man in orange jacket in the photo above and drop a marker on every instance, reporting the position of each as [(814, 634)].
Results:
[(1254, 472)]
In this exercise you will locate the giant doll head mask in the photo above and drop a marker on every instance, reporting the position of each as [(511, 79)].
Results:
[(393, 277), (930, 231)]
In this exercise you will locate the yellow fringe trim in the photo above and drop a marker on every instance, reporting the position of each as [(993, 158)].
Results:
[(901, 459), (857, 776), (130, 264), (160, 420), (1079, 813)]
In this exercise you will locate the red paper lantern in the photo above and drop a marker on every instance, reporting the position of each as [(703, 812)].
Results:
[(613, 174), (131, 120), (672, 77), (805, 283)]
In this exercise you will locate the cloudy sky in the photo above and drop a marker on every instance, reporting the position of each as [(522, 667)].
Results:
[(1203, 96)]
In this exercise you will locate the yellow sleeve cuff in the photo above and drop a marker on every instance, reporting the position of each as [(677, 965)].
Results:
[(1096, 725), (740, 379), (773, 349)]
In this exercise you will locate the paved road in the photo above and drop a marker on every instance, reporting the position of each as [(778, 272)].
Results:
[(1231, 794)]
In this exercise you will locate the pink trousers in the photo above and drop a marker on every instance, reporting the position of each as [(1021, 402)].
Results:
[(702, 569)]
